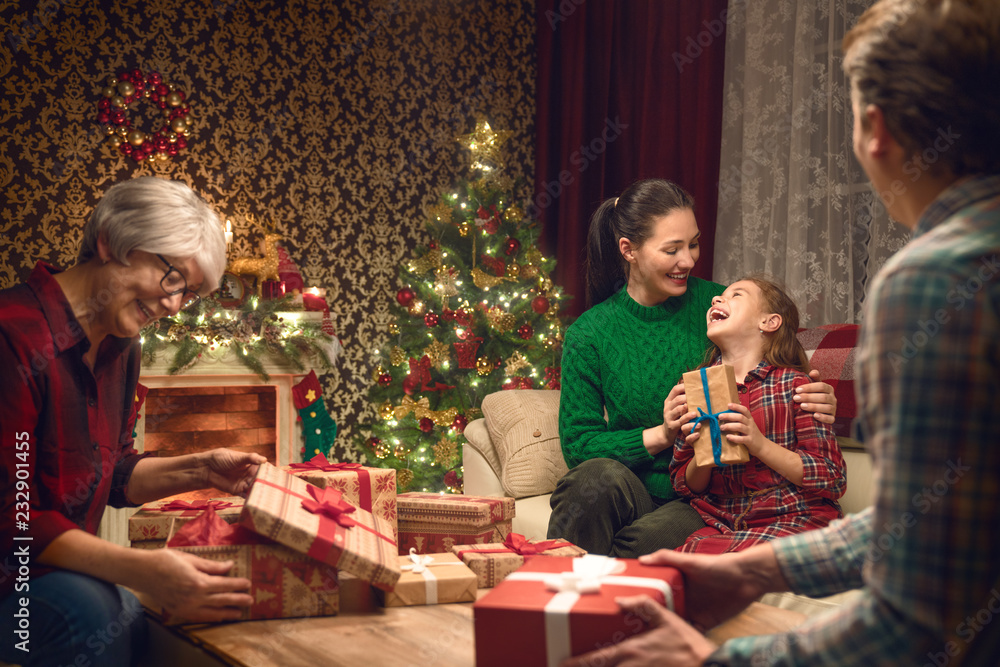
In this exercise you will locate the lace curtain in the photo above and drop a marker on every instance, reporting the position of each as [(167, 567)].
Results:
[(793, 201)]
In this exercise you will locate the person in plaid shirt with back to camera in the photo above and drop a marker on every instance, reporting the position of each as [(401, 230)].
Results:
[(69, 344), (796, 471), (925, 89)]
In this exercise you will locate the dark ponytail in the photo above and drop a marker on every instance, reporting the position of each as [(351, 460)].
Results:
[(628, 216)]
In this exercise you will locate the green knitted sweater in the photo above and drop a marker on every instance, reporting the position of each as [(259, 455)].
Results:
[(622, 357)]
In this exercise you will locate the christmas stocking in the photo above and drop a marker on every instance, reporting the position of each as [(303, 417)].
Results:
[(318, 428)]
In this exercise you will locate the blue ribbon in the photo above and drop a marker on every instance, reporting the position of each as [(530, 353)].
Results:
[(713, 421)]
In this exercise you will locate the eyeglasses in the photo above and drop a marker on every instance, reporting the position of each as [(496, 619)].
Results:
[(173, 282)]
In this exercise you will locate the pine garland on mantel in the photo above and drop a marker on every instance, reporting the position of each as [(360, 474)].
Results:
[(259, 330)]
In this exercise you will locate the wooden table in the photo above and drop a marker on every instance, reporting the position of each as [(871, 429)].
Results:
[(436, 635)]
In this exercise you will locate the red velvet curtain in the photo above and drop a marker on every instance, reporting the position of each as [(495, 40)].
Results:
[(627, 89)]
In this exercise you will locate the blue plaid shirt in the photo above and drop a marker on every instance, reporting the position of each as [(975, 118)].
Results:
[(927, 553)]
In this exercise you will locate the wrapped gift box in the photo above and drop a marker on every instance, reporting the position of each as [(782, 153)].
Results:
[(711, 390), (319, 523), (150, 527), (561, 607), (431, 579), (371, 489), (284, 582), (493, 562), (433, 523)]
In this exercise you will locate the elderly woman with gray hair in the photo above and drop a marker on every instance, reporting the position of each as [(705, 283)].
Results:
[(69, 348)]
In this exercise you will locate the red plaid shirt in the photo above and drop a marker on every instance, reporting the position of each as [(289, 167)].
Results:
[(77, 423), (746, 503)]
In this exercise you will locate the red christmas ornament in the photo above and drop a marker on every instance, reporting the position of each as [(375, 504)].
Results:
[(432, 245), (405, 297), (525, 331), (553, 377), (374, 442), (466, 352), (426, 425), (385, 379), (463, 317), (452, 480), (540, 305), (448, 315), (431, 319), (511, 246), (460, 423)]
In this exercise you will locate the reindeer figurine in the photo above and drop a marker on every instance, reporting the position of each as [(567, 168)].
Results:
[(264, 268)]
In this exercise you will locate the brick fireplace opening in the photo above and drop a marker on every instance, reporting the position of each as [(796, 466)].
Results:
[(186, 420)]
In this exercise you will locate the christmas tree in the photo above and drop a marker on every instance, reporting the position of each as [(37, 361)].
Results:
[(476, 313)]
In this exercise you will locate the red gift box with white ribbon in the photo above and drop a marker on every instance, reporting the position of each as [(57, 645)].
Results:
[(561, 607)]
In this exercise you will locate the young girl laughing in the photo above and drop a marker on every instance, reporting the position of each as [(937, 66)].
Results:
[(796, 471)]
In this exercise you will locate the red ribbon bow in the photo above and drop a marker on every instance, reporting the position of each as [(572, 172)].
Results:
[(525, 547), (329, 502), (183, 505), (321, 464)]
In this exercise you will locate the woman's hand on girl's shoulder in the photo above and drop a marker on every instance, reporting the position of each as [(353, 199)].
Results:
[(818, 398)]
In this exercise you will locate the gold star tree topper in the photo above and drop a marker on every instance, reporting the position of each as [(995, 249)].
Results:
[(484, 144)]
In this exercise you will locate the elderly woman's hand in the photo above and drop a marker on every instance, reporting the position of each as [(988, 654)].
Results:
[(231, 471), (195, 588)]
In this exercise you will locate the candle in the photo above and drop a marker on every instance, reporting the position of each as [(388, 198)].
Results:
[(229, 233)]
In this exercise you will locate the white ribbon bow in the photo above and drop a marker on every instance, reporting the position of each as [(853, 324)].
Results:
[(420, 562), (421, 565), (588, 571)]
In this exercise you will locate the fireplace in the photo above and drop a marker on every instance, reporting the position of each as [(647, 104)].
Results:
[(218, 402), (188, 420)]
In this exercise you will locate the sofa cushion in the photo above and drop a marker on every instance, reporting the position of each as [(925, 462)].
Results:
[(478, 437), (831, 349), (524, 428)]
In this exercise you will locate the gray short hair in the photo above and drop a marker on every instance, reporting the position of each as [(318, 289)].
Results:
[(158, 216)]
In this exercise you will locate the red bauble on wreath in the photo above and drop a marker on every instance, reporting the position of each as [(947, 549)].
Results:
[(119, 98), (525, 331)]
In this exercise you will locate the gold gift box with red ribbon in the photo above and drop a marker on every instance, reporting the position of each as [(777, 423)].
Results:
[(433, 523), (560, 607), (371, 489), (150, 527), (320, 524), (493, 562)]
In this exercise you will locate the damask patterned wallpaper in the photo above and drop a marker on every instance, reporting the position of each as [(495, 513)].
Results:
[(335, 119)]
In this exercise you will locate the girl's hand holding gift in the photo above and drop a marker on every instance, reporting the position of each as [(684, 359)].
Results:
[(739, 427)]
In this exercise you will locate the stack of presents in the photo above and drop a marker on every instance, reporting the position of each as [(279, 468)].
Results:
[(321, 538)]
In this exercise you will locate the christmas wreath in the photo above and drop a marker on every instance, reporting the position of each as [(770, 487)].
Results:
[(121, 95)]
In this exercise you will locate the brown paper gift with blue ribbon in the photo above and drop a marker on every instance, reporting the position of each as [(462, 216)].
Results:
[(709, 392)]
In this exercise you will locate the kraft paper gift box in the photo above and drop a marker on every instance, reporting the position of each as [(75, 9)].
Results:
[(493, 562), (319, 523), (150, 527), (431, 579), (562, 607), (709, 392), (284, 582), (433, 523), (371, 489)]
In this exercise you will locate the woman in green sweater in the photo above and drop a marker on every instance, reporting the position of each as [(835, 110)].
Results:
[(621, 407)]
